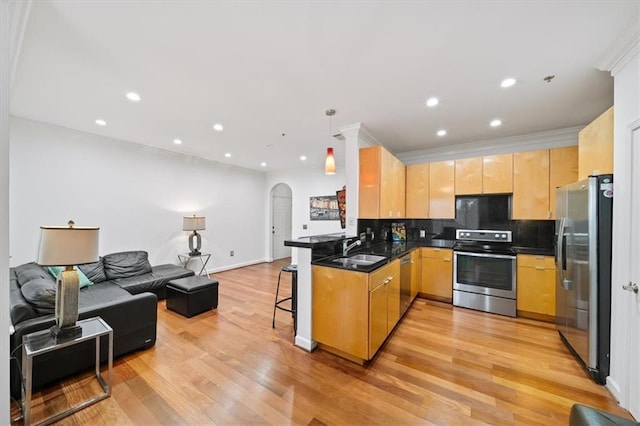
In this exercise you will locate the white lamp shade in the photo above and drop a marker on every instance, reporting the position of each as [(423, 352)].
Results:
[(68, 246), (193, 223)]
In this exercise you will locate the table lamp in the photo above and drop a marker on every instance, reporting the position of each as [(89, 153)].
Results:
[(194, 223), (67, 246)]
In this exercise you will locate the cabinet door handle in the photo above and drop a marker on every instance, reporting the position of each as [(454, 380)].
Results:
[(539, 268), (447, 259)]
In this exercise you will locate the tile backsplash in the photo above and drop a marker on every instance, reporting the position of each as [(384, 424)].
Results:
[(526, 233)]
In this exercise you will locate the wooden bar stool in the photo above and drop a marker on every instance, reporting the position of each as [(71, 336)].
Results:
[(293, 269)]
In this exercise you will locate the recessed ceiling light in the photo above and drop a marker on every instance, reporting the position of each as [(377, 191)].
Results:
[(431, 102), (177, 141), (101, 122), (263, 164), (442, 132), (133, 97), (508, 82), (496, 123), (218, 127), (302, 157), (228, 155)]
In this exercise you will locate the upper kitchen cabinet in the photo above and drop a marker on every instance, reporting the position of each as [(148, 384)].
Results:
[(442, 199), (468, 176), (563, 169), (531, 185), (491, 174), (382, 184), (595, 146), (417, 191), (497, 174)]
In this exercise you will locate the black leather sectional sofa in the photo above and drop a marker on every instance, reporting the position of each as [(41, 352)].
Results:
[(125, 292)]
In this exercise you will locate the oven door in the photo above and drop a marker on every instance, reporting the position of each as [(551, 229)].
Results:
[(483, 273)]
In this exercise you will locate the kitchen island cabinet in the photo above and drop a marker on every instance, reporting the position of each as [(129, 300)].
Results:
[(437, 273), (536, 287), (354, 312)]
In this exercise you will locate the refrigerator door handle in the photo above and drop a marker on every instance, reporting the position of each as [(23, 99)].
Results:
[(561, 250)]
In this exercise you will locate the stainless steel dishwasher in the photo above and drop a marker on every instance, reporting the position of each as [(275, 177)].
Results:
[(405, 282)]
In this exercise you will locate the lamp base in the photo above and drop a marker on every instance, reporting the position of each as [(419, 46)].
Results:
[(68, 332), (195, 253)]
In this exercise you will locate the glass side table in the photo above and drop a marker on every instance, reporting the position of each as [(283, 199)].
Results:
[(41, 342), (185, 259)]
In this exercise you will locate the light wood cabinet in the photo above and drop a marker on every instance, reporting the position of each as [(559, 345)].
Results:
[(381, 190), (468, 176), (531, 185), (437, 273), (490, 174), (563, 169), (354, 312), (595, 146), (442, 201), (536, 287), (341, 310), (417, 191), (416, 271), (497, 174)]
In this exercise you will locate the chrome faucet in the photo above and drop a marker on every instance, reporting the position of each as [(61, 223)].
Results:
[(346, 246)]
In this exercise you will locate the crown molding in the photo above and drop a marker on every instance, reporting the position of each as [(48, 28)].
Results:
[(624, 48), (531, 142), (365, 138), (19, 19)]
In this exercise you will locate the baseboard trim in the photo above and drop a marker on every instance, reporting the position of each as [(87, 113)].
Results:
[(614, 389), (306, 344), (237, 265)]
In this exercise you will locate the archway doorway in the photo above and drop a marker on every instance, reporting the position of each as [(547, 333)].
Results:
[(281, 213)]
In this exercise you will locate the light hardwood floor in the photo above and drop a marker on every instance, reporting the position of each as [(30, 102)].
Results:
[(442, 365)]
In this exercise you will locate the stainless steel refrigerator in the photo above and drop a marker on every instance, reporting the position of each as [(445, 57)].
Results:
[(583, 277)]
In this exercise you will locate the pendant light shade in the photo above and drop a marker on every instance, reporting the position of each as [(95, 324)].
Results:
[(330, 163)]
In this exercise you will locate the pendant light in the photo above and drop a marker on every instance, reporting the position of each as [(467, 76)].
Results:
[(330, 161)]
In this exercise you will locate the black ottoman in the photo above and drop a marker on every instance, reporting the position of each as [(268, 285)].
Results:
[(192, 295)]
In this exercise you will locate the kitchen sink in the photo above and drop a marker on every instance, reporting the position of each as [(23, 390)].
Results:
[(359, 259)]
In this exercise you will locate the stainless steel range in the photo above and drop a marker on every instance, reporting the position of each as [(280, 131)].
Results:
[(484, 271)]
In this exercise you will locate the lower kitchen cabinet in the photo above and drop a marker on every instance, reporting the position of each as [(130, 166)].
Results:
[(416, 273), (536, 287), (437, 273), (354, 312)]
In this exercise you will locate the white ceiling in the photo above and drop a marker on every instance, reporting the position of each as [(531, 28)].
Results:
[(267, 68)]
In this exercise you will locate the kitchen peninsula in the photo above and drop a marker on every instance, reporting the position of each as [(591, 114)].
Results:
[(307, 249)]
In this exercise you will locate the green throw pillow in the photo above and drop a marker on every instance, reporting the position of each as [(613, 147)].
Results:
[(84, 281)]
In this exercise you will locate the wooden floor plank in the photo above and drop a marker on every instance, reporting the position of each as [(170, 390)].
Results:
[(442, 365)]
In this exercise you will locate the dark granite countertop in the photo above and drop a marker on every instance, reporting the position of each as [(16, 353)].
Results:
[(394, 250), (390, 251), (533, 250), (312, 240)]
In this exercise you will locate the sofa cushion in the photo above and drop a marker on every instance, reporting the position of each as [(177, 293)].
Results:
[(100, 293), (155, 281), (41, 294), (83, 281), (94, 271), (20, 310), (126, 264), (31, 271)]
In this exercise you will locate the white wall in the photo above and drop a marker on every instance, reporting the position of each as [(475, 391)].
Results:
[(137, 195), (627, 111), (5, 20), (305, 183)]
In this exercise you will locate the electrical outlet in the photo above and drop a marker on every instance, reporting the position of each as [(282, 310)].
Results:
[(422, 233), (304, 226), (232, 253)]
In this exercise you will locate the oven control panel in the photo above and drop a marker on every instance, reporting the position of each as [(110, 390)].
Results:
[(483, 235)]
